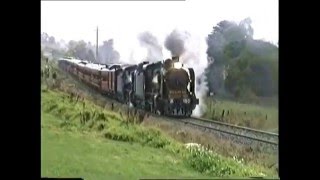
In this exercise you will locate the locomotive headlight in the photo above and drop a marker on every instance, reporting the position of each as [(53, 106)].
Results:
[(171, 101), (177, 65)]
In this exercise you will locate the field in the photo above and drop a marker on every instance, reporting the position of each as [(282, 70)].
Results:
[(264, 117), (75, 154), (70, 151), (79, 138)]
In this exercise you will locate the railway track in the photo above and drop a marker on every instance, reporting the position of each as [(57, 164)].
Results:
[(249, 133), (256, 139)]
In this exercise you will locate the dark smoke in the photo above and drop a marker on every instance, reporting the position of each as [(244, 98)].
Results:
[(150, 42), (175, 42)]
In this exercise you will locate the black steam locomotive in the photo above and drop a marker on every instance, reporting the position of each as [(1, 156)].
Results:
[(165, 88)]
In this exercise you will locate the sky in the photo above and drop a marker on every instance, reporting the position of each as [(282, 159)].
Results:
[(124, 20)]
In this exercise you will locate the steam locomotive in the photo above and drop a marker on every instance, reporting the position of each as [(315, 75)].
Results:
[(163, 87)]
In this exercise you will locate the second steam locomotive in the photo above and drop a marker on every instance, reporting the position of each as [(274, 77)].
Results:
[(163, 87)]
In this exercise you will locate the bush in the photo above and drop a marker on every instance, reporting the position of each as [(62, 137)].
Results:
[(212, 164), (152, 137), (118, 135)]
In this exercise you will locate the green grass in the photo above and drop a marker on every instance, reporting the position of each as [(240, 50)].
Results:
[(81, 138), (249, 115), (74, 154), (223, 147)]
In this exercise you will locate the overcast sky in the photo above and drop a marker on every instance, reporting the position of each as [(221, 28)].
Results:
[(123, 20)]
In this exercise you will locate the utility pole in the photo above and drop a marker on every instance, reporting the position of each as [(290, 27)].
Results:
[(97, 57)]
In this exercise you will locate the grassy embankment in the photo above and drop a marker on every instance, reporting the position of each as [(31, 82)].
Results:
[(264, 117), (83, 139)]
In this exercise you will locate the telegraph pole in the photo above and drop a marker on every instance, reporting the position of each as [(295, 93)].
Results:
[(97, 48)]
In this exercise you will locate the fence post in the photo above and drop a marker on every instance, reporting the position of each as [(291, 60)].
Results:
[(213, 114), (222, 114)]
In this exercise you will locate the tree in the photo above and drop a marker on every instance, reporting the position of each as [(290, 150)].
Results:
[(241, 65), (81, 50), (90, 56), (226, 32), (52, 40), (246, 27), (77, 49), (44, 37), (253, 74), (216, 43), (107, 54)]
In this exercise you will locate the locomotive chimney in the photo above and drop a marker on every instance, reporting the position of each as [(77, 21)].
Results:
[(175, 58)]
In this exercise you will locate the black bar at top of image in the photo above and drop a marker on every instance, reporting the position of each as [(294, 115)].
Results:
[(47, 178)]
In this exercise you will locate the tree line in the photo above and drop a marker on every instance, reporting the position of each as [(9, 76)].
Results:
[(239, 65)]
